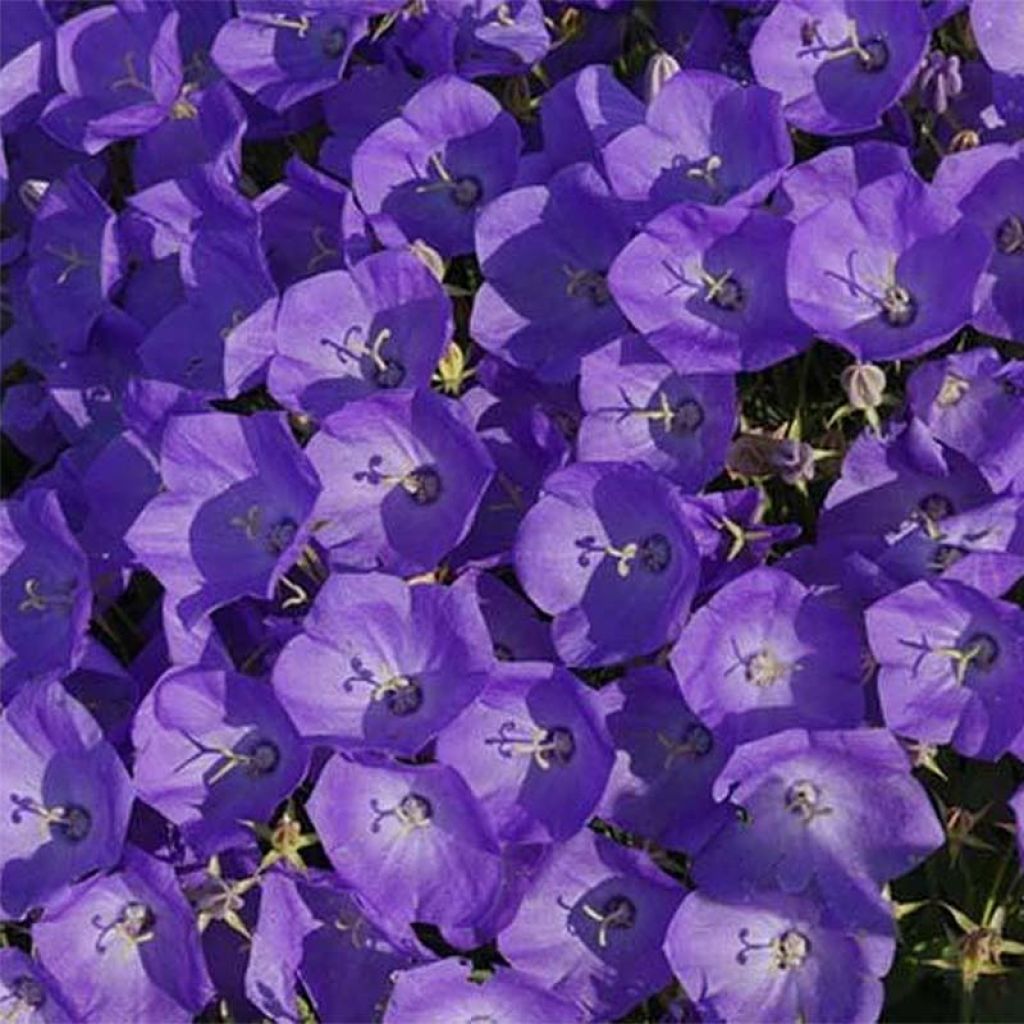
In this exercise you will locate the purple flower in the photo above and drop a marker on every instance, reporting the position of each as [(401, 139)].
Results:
[(28, 992), (710, 284), (707, 139), (121, 74), (208, 130), (889, 273), (605, 551), (766, 654), (76, 262), (284, 54), (309, 223), (778, 957), (473, 37), (445, 990), (411, 840), (839, 64), (969, 402), (126, 946), (226, 278), (591, 926), (982, 547), (394, 329), (836, 173), (312, 931), (637, 408), (903, 478), (214, 750), (66, 797), (46, 601), (402, 478), (396, 663), (987, 186), (831, 813), (234, 513), (730, 535), (950, 664), (533, 750), (660, 787), (544, 251), (432, 169), (583, 112)]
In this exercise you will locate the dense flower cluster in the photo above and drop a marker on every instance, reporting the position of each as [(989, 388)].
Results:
[(429, 592)]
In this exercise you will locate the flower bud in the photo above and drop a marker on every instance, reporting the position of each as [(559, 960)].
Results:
[(864, 384), (760, 455), (31, 193), (660, 68)]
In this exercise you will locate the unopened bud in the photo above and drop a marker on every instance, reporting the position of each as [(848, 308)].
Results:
[(429, 257), (31, 192), (864, 384), (757, 455), (966, 138), (660, 68)]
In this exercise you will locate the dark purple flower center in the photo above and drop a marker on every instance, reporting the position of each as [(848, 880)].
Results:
[(416, 809), (984, 650), (27, 991), (136, 919), (332, 42), (404, 700), (559, 745), (466, 191), (281, 534), (1010, 235), (875, 56), (899, 307), (263, 758), (589, 284), (503, 652), (695, 741), (655, 553), (73, 824), (423, 485), (727, 293), (389, 373), (935, 506), (682, 419), (687, 416)]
